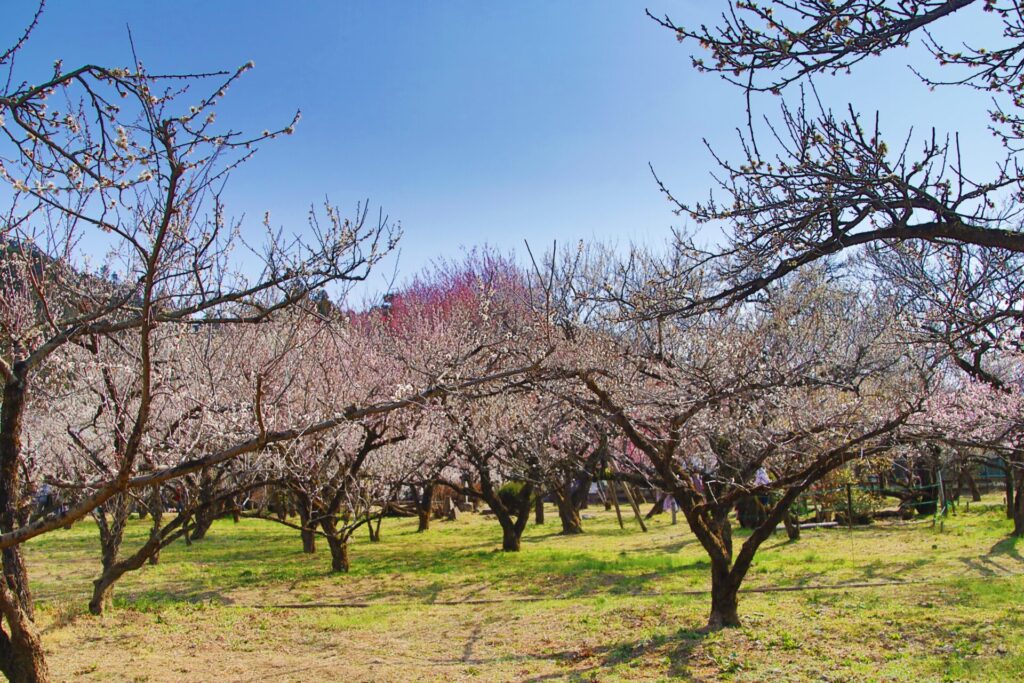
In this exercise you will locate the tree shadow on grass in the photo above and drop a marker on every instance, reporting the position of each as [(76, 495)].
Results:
[(673, 547), (878, 570), (781, 544), (983, 566), (1008, 547), (678, 648), (159, 598), (577, 664), (537, 538)]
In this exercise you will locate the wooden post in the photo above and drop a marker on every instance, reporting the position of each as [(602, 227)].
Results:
[(849, 506), (613, 493), (942, 502), (636, 508), (601, 490), (942, 495)]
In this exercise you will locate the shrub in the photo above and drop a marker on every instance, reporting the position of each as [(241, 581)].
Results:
[(511, 494)]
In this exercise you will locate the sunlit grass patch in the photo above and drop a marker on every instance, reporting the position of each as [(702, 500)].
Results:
[(610, 604)]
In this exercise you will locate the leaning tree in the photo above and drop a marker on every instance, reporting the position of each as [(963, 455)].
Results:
[(114, 227), (200, 402)]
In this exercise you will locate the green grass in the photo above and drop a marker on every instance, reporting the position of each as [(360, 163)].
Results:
[(612, 604)]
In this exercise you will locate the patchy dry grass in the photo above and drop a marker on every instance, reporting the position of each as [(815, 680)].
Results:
[(245, 604)]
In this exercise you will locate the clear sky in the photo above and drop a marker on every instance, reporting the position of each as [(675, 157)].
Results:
[(470, 122)]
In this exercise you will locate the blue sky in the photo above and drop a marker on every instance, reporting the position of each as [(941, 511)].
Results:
[(470, 122)]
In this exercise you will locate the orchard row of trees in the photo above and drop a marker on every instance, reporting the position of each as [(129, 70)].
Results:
[(153, 360)]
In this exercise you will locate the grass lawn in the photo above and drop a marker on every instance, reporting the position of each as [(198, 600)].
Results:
[(246, 604)]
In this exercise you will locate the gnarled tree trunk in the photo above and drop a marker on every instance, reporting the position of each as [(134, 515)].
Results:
[(714, 531), (111, 518), (568, 513), (159, 538), (724, 597), (513, 521), (337, 542), (21, 650), (511, 538), (206, 512), (339, 554), (201, 525)]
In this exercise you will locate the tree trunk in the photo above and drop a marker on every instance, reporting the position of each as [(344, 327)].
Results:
[(1010, 507), (114, 569), (512, 528), (792, 523), (156, 511), (724, 598), (510, 538), (727, 573), (201, 525), (11, 412), (102, 593), (21, 650), (657, 508), (425, 504), (714, 531), (337, 542), (16, 576), (308, 533), (1018, 508), (539, 510), (103, 587), (972, 486), (111, 518), (569, 515), (513, 513), (339, 554), (723, 529), (206, 512), (308, 541)]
